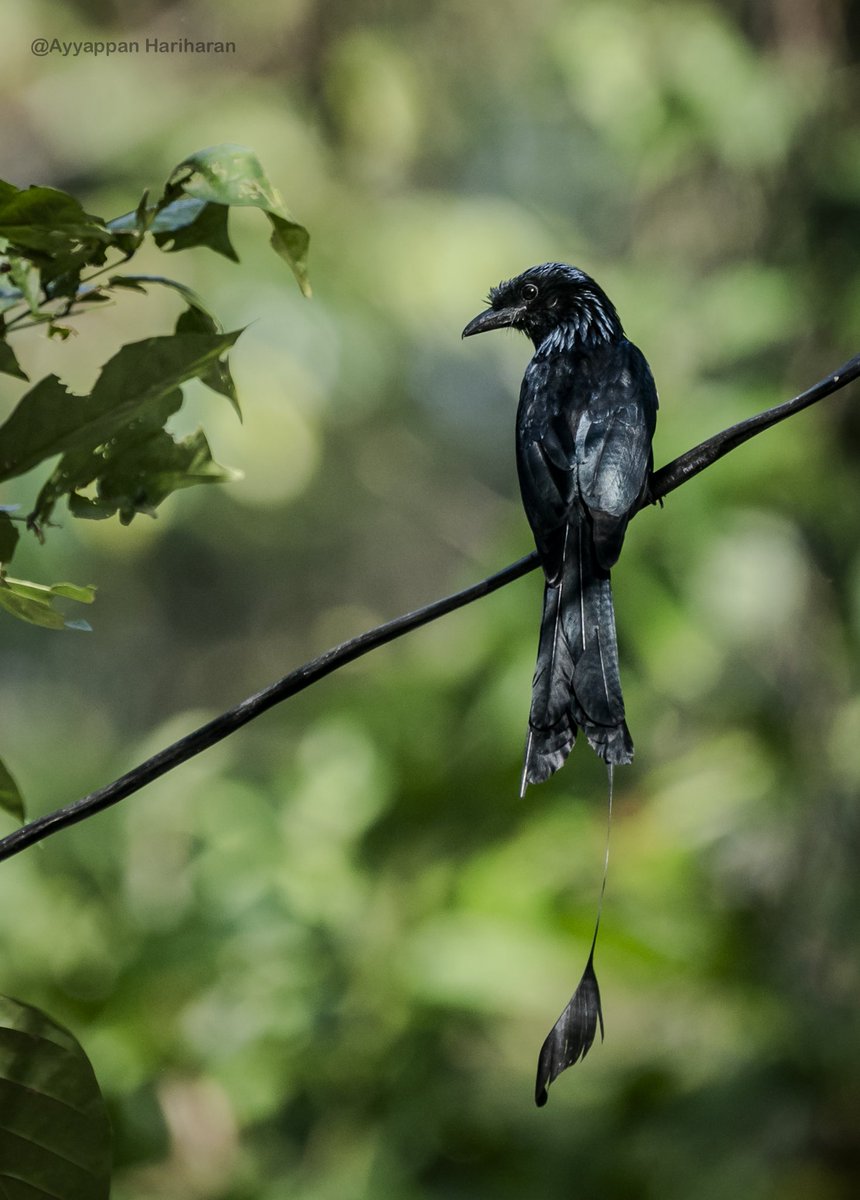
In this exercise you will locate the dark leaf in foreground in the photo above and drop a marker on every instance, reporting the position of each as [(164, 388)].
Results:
[(48, 420), (188, 222), (137, 475), (48, 221), (55, 1138), (195, 319), (571, 1038)]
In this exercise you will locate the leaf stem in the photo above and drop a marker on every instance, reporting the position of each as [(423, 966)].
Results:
[(63, 311)]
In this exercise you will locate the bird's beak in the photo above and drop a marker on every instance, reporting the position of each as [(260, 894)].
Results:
[(492, 318)]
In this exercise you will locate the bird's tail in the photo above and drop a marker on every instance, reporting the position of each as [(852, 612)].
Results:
[(576, 682), (573, 1034)]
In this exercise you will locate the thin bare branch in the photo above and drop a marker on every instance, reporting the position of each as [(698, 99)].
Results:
[(228, 722), (663, 481), (704, 455)]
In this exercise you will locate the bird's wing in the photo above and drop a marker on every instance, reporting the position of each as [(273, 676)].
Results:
[(586, 437), (613, 446), (545, 456)]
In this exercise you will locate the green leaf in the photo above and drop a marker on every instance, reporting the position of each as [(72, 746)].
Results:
[(219, 377), (89, 508), (129, 230), (134, 470), (48, 220), (78, 469), (38, 427), (33, 611), (194, 209), (226, 174), (34, 602), (8, 537), (47, 230), (291, 242), (145, 370), (83, 593), (55, 1139), (49, 420), (11, 800), (25, 608), (186, 222), (27, 279), (232, 175), (8, 362), (196, 319), (138, 477)]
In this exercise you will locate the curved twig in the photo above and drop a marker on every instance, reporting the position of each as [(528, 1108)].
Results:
[(234, 718), (663, 481), (681, 469)]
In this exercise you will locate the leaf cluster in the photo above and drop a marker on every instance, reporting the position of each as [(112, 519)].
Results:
[(114, 455)]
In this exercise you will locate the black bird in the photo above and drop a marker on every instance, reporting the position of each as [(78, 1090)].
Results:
[(587, 411), (586, 417)]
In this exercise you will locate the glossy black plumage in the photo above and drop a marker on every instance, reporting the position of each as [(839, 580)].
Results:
[(572, 1036), (586, 417)]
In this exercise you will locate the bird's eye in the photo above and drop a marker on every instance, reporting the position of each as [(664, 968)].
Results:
[(529, 292)]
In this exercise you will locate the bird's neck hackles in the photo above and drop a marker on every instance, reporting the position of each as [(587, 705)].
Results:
[(588, 325)]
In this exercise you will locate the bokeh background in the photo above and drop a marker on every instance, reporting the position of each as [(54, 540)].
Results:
[(319, 961)]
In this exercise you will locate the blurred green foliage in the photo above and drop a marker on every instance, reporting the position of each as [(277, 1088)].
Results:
[(319, 961)]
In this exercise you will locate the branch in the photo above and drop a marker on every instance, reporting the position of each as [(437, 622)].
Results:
[(225, 724), (681, 469), (664, 481)]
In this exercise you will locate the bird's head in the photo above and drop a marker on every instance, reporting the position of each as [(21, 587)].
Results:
[(547, 298)]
